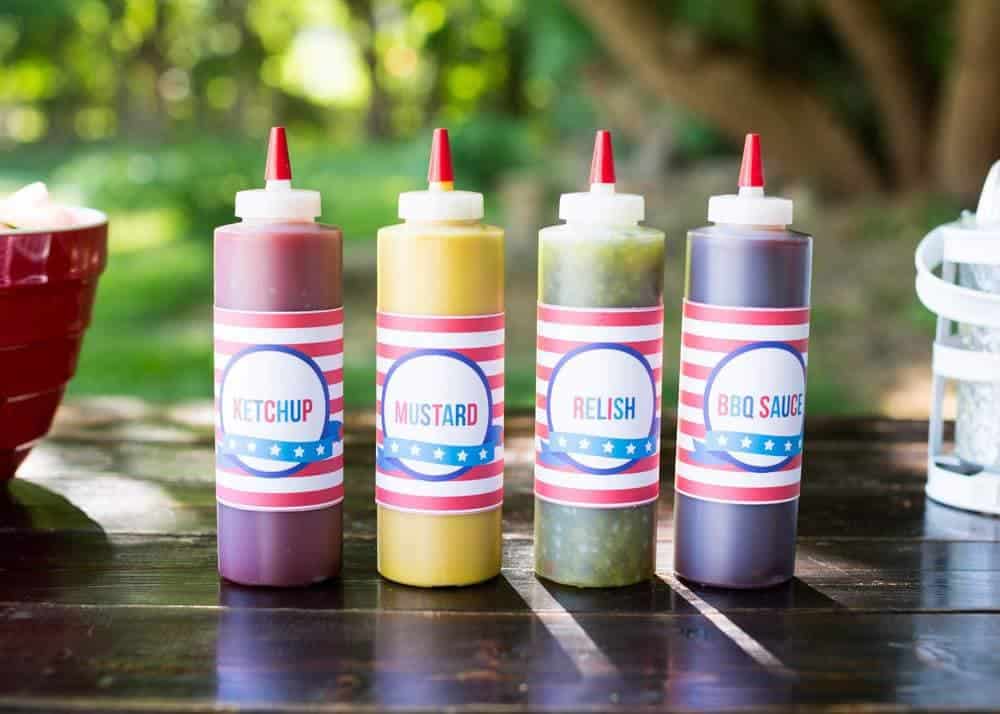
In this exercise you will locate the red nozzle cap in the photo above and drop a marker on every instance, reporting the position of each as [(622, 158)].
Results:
[(602, 166), (440, 170), (752, 168), (279, 167)]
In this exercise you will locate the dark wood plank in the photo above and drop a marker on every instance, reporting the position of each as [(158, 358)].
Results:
[(109, 597), (545, 661), (92, 569)]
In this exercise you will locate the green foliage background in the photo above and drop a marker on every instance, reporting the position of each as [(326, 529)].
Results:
[(156, 113)]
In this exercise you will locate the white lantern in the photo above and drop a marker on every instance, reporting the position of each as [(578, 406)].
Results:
[(966, 298)]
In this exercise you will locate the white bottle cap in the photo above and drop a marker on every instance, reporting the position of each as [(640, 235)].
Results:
[(440, 202), (440, 205), (602, 204), (988, 210), (750, 207), (278, 201)]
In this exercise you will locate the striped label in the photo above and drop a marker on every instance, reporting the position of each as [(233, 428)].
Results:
[(597, 418), (741, 407), (439, 406), (279, 400)]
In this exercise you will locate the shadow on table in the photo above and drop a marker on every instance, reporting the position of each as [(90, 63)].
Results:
[(796, 594), (952, 564), (689, 660), (52, 551), (387, 645), (266, 649), (27, 506)]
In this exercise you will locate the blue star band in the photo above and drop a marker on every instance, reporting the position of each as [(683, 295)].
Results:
[(739, 442), (561, 442), (447, 454), (303, 452)]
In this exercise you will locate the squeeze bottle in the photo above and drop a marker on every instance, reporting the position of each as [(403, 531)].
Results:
[(741, 406), (600, 354), (440, 386), (278, 384)]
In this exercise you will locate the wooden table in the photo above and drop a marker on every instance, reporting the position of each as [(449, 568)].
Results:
[(109, 598)]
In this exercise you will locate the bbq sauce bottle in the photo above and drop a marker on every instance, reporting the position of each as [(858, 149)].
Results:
[(741, 406)]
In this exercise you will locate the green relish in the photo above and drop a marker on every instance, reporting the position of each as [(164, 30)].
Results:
[(595, 266)]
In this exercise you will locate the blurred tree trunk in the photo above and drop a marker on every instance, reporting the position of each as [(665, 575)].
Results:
[(949, 145), (617, 101), (377, 120), (733, 93), (969, 129), (513, 87), (882, 55)]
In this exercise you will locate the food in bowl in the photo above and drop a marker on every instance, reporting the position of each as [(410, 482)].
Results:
[(32, 207), (51, 256)]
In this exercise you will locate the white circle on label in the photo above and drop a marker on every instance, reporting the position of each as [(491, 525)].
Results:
[(272, 393), (758, 389), (436, 397), (603, 391)]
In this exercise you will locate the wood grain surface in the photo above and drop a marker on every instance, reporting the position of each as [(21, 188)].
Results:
[(110, 601)]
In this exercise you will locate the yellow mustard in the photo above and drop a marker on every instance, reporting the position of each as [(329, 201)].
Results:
[(442, 262)]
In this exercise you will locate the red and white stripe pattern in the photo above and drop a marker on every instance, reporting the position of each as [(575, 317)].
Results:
[(479, 338), (560, 330), (319, 335), (708, 334)]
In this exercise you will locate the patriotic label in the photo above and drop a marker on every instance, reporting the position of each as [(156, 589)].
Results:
[(279, 409), (597, 421), (742, 403), (439, 406)]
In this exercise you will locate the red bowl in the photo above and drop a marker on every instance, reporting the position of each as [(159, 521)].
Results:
[(47, 285)]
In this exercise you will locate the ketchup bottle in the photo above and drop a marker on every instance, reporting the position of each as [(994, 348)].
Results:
[(279, 384), (742, 389)]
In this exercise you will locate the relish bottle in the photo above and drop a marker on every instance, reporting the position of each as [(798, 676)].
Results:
[(600, 345)]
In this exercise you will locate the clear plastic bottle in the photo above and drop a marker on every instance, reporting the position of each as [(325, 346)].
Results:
[(440, 324), (279, 385), (742, 389), (600, 344)]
